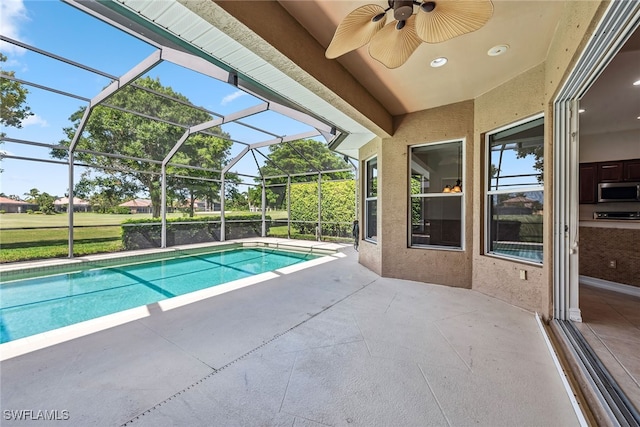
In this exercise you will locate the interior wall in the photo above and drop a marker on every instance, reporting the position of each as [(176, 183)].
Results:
[(604, 147), (370, 253), (514, 101), (446, 267)]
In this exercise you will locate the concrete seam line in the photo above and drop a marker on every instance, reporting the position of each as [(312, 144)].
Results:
[(215, 371)]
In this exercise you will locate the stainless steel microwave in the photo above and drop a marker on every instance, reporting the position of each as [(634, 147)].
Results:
[(619, 192)]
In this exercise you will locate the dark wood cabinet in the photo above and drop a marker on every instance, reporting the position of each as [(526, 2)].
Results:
[(588, 182), (591, 174), (610, 171), (631, 170)]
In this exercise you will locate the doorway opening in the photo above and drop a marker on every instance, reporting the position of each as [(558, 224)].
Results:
[(595, 303)]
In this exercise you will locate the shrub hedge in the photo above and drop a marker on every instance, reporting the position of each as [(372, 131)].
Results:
[(147, 233), (338, 207)]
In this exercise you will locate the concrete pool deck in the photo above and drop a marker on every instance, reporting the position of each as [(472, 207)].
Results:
[(333, 344)]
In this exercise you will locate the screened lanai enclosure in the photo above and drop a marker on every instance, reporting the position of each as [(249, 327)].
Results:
[(140, 141)]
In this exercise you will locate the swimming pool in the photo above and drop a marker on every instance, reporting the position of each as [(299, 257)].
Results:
[(32, 306)]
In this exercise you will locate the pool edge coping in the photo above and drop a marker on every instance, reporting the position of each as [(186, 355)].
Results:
[(27, 269), (46, 339)]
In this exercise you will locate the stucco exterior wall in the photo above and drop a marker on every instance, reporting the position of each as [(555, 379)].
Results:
[(530, 93), (515, 100), (447, 267), (370, 253), (527, 94)]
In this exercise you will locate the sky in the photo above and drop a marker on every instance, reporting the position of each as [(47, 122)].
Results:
[(65, 31)]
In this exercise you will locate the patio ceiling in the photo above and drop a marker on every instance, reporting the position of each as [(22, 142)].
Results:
[(376, 97)]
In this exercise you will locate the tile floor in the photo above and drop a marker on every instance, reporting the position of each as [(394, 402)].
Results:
[(331, 345), (611, 325)]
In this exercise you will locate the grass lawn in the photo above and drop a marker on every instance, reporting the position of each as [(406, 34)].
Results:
[(21, 245), (32, 236)]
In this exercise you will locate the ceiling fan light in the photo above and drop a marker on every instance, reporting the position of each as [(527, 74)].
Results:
[(428, 6), (402, 9), (403, 13), (378, 17), (400, 25)]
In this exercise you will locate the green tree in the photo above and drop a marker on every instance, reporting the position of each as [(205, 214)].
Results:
[(235, 200), (338, 207), (32, 195), (13, 98), (301, 156), (537, 152), (113, 131), (45, 203), (105, 193), (43, 200)]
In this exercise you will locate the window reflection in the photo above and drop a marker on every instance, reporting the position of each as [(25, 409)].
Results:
[(515, 195), (436, 195)]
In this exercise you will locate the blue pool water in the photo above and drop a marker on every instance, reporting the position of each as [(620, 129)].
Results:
[(32, 306), (526, 251)]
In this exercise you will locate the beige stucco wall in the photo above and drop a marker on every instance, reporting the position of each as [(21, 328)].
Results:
[(530, 93), (515, 100), (447, 267), (370, 254), (526, 95)]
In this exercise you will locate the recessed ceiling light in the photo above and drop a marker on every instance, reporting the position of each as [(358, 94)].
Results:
[(636, 83), (439, 62), (498, 50), (582, 110)]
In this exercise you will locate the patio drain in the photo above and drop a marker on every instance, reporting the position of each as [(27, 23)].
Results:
[(248, 353)]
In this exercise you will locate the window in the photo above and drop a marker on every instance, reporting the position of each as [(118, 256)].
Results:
[(515, 191), (436, 195), (371, 200)]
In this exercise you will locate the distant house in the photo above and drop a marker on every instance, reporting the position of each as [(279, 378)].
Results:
[(79, 205), (16, 206), (138, 206), (518, 205)]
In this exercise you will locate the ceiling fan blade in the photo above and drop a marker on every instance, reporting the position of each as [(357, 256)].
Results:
[(356, 30), (392, 47), (452, 18)]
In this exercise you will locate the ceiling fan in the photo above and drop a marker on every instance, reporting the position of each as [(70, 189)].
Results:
[(392, 44)]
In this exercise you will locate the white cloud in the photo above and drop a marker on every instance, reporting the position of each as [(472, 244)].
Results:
[(35, 120), (12, 14), (231, 97)]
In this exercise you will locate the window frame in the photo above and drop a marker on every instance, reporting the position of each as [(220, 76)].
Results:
[(488, 193), (368, 199), (461, 195)]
